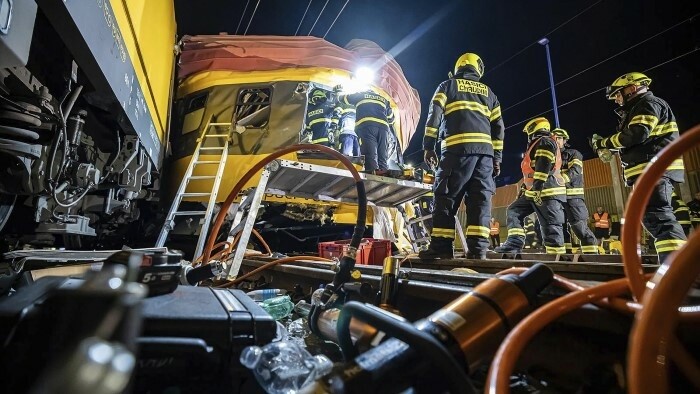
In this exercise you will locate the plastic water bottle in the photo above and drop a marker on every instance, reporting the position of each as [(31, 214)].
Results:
[(265, 294), (278, 307), (284, 367), (302, 308)]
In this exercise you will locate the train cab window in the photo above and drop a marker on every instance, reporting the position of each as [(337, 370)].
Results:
[(194, 112), (252, 108)]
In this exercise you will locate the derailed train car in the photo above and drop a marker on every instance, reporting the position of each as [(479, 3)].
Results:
[(85, 92), (260, 86)]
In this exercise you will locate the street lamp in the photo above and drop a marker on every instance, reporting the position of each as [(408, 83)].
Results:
[(545, 42)]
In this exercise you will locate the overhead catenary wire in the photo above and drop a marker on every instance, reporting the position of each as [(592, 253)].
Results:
[(603, 61), (318, 17), (303, 17), (251, 17), (602, 89), (242, 15), (544, 35), (336, 18)]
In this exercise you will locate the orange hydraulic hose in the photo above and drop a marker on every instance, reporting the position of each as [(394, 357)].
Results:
[(272, 264), (262, 241), (254, 170), (508, 353), (652, 337), (638, 199)]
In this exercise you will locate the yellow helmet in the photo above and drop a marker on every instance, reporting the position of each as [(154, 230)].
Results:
[(470, 59), (535, 125), (561, 133), (633, 78)]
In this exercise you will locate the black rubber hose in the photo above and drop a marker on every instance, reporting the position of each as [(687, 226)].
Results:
[(424, 343)]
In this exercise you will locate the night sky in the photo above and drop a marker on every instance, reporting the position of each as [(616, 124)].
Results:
[(426, 37)]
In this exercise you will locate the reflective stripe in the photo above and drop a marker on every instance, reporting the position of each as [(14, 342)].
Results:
[(669, 245), (575, 162), (545, 153), (613, 141), (566, 177), (468, 105), (682, 209), (495, 114), (371, 119), (530, 232), (664, 129), (639, 168), (319, 140), (589, 249), (574, 191), (443, 232), (553, 192), (465, 138), (686, 222), (540, 176), (649, 120), (568, 245), (495, 230), (478, 231), (555, 249), (440, 98), (319, 120), (516, 232), (370, 101), (431, 132), (497, 144)]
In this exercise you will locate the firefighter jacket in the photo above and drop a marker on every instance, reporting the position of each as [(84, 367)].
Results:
[(572, 172), (694, 206), (320, 119), (646, 126), (472, 115), (371, 109), (602, 220), (541, 167), (680, 210)]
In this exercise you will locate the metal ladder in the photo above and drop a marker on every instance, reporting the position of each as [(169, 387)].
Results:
[(419, 241), (211, 131)]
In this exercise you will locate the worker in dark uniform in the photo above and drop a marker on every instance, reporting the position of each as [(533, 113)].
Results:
[(470, 157), (532, 237), (647, 125), (682, 213), (575, 209), (543, 192), (373, 115), (694, 206), (320, 118), (349, 144)]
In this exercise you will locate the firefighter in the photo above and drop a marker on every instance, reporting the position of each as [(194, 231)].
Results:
[(495, 233), (349, 144), (373, 115), (543, 192), (470, 157), (575, 210), (532, 238), (321, 118), (682, 213), (646, 126), (694, 206)]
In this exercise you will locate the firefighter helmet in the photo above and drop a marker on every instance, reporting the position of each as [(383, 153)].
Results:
[(537, 124), (561, 133), (633, 78), (470, 59), (317, 96)]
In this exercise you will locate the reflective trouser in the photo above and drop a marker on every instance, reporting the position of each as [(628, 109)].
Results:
[(551, 218), (577, 217), (469, 178), (660, 221), (349, 144), (320, 135), (374, 146)]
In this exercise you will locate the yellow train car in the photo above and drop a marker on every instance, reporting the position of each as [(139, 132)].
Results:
[(85, 98)]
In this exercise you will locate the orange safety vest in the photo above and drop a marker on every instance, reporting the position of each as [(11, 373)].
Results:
[(601, 221), (528, 168), (495, 228)]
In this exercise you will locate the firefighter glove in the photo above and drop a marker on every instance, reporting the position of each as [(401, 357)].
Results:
[(496, 169), (595, 142), (430, 158)]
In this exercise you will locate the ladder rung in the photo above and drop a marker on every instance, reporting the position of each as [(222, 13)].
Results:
[(202, 177), (206, 162), (189, 213), (212, 148), (215, 135), (195, 194)]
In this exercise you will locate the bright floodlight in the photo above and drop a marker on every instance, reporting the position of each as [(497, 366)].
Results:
[(364, 75)]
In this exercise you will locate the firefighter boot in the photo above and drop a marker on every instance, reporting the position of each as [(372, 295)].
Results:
[(513, 245), (440, 248)]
